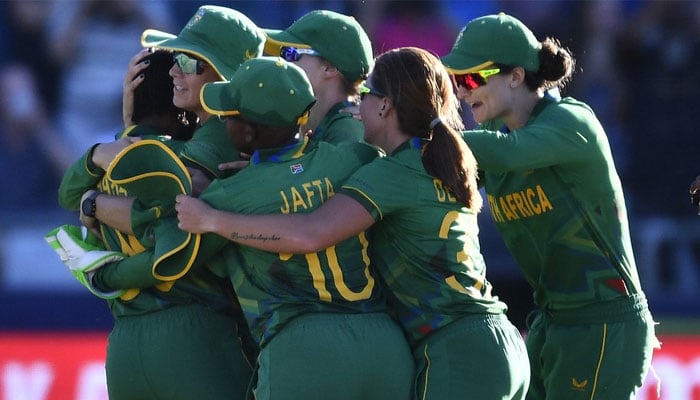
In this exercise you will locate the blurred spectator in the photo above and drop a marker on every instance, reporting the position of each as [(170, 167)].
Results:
[(26, 37), (273, 15), (93, 40), (598, 82), (658, 53), (413, 23), (32, 155)]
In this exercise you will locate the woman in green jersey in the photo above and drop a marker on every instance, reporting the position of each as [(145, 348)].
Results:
[(557, 201), (175, 335), (320, 318), (421, 202), (336, 54)]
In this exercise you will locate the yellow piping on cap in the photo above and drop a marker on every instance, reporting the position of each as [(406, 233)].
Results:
[(479, 67)]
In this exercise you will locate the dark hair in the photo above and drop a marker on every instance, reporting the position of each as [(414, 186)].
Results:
[(154, 97), (557, 64), (421, 90)]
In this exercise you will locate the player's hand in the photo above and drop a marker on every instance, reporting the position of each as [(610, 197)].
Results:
[(695, 194), (83, 253), (105, 153), (192, 214), (234, 165), (132, 79)]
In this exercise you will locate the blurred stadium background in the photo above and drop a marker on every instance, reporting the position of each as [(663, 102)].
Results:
[(61, 75)]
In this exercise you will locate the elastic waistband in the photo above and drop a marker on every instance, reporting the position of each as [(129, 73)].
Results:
[(619, 310), (335, 318), (466, 323)]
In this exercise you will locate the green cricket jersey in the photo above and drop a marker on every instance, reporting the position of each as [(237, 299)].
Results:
[(426, 246), (210, 146), (339, 127), (274, 288), (154, 176), (557, 201), (84, 175)]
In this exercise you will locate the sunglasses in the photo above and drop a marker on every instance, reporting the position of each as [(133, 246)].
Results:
[(364, 90), (292, 54), (188, 65), (476, 79)]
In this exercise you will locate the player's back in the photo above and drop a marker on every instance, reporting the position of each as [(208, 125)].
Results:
[(273, 288)]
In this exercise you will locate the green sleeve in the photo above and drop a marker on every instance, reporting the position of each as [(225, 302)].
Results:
[(209, 147), (131, 272), (80, 177), (137, 271), (560, 133)]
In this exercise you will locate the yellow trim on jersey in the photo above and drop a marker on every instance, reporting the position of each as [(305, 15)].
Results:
[(376, 207)]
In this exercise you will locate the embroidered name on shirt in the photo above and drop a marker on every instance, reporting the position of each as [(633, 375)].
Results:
[(306, 196), (517, 205)]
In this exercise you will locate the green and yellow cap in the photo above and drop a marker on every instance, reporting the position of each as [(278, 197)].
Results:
[(493, 39), (338, 38), (221, 36), (265, 90)]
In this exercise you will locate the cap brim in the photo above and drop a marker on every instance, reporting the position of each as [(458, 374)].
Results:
[(138, 169), (168, 41), (276, 39), (462, 64), (216, 100)]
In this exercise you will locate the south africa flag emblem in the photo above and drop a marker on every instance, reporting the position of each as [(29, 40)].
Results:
[(296, 168)]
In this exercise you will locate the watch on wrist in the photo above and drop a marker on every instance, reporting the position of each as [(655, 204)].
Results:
[(89, 206)]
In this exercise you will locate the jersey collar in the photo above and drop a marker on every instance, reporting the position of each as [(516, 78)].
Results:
[(293, 149)]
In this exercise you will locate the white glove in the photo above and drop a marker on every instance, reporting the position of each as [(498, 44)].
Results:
[(83, 253)]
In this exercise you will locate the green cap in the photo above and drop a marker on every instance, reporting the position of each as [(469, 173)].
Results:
[(338, 38), (221, 36), (493, 39), (153, 173), (265, 90)]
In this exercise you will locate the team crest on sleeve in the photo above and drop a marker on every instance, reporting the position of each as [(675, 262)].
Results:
[(296, 168)]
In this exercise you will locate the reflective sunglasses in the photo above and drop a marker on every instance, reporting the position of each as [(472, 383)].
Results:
[(292, 54), (364, 90), (188, 65), (476, 79)]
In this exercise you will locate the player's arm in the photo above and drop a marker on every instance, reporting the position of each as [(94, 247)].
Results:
[(80, 177), (339, 218), (115, 211), (85, 173), (131, 272), (149, 268)]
